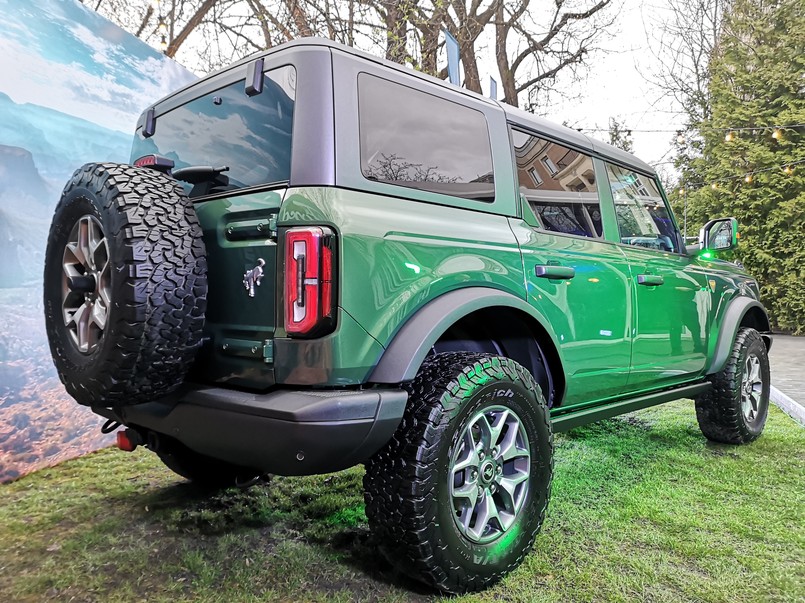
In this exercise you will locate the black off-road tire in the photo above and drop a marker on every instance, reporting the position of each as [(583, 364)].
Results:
[(204, 471), (719, 411), (407, 488), (157, 285)]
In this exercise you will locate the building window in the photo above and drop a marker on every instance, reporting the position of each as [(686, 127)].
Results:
[(550, 165)]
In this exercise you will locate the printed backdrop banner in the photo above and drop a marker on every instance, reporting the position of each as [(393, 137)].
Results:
[(72, 85)]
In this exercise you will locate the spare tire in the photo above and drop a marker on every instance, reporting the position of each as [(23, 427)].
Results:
[(125, 285)]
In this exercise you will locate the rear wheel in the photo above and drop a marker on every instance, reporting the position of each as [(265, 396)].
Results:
[(734, 411), (458, 495)]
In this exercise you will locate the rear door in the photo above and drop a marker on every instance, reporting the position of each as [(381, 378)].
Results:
[(577, 279), (671, 295)]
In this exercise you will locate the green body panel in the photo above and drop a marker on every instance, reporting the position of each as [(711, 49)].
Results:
[(726, 281), (672, 320), (342, 358), (396, 255), (237, 233), (590, 314)]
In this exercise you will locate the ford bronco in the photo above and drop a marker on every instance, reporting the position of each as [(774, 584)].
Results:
[(319, 259)]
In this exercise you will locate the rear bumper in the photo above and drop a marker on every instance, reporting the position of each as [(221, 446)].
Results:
[(282, 432)]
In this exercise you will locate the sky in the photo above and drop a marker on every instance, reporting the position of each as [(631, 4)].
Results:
[(614, 86), (76, 62), (617, 87)]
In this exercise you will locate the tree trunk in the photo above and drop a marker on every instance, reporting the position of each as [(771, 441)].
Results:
[(502, 58)]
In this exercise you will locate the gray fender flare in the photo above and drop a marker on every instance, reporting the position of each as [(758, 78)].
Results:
[(403, 357), (730, 324)]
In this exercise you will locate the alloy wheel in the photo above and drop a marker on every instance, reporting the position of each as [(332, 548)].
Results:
[(86, 284), (489, 474), (751, 389)]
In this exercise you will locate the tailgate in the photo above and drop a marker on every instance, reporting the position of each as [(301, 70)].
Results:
[(241, 318)]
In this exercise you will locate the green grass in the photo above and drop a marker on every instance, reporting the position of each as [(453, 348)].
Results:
[(643, 509)]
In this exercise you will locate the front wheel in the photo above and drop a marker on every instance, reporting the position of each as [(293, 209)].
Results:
[(734, 411), (458, 495)]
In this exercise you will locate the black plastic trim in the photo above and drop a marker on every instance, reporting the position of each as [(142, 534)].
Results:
[(403, 357), (254, 77), (150, 123), (575, 418), (733, 316), (283, 432)]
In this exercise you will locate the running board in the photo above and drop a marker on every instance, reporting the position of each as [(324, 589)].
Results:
[(571, 419)]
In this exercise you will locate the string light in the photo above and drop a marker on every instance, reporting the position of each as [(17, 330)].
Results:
[(748, 177), (162, 27), (680, 136), (777, 134), (163, 44), (729, 137)]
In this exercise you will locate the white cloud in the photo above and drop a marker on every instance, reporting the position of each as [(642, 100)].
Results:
[(31, 76)]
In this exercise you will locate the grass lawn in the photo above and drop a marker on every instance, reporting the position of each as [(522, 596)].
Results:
[(643, 509)]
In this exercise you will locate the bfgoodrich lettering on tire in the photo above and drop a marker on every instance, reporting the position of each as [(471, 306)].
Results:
[(734, 411), (459, 493), (125, 285)]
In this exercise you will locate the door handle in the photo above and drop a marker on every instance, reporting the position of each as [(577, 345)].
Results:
[(650, 280), (555, 272)]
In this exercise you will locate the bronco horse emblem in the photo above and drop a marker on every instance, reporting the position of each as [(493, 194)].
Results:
[(252, 278)]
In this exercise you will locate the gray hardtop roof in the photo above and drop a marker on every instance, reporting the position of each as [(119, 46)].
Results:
[(550, 129), (574, 138)]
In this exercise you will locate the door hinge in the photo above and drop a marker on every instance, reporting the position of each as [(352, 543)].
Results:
[(268, 351)]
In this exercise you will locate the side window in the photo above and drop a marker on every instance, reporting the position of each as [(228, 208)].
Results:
[(249, 134), (559, 185), (414, 139), (643, 216)]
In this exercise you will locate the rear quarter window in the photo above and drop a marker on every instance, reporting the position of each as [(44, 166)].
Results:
[(413, 139), (249, 135)]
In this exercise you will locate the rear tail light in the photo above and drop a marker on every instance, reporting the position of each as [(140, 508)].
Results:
[(309, 281)]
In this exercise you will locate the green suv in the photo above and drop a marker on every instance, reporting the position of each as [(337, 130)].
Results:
[(319, 258)]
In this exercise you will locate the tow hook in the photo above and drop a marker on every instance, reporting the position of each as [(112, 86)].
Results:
[(128, 440)]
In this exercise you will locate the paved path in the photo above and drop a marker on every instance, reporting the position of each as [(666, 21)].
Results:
[(787, 359)]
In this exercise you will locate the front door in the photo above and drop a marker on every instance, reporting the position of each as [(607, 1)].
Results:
[(670, 291)]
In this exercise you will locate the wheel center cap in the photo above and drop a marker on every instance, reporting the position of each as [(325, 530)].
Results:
[(487, 471)]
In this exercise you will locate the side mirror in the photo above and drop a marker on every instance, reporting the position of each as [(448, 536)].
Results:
[(719, 235)]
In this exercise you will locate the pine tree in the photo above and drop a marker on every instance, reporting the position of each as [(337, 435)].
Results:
[(757, 79)]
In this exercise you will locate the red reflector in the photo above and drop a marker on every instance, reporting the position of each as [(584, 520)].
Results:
[(158, 162), (123, 441), (145, 161), (326, 281)]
